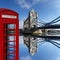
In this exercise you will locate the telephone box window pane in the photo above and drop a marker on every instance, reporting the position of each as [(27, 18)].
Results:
[(10, 56), (10, 49), (10, 31), (11, 43), (11, 38), (11, 26)]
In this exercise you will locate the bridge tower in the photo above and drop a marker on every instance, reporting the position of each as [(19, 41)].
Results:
[(31, 21), (9, 37), (33, 18), (31, 43)]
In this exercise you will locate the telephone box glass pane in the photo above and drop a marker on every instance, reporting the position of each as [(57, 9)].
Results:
[(10, 31), (11, 38), (11, 26)]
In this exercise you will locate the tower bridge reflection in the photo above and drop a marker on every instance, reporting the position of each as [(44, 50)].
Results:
[(33, 42)]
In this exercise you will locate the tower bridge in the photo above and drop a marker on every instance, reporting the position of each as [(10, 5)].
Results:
[(33, 25), (38, 32)]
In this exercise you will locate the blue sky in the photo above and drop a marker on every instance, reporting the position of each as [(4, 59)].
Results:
[(47, 9)]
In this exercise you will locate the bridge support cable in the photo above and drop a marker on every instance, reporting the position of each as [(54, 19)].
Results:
[(40, 41), (54, 43), (41, 21), (53, 21)]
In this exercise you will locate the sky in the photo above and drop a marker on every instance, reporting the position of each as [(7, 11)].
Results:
[(47, 11)]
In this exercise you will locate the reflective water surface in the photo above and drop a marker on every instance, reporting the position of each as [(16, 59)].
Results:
[(32, 48)]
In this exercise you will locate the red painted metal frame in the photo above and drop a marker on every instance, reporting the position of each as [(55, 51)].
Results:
[(3, 22)]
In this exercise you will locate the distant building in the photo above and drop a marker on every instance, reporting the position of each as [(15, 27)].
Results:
[(52, 32), (38, 32)]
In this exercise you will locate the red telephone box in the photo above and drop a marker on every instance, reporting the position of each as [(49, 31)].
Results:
[(9, 35)]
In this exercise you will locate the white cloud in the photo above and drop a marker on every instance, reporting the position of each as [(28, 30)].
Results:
[(26, 58), (29, 3), (24, 4), (36, 2)]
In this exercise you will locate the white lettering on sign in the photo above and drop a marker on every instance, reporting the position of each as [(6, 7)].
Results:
[(9, 16)]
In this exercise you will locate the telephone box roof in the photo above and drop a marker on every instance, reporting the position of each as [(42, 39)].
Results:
[(5, 9)]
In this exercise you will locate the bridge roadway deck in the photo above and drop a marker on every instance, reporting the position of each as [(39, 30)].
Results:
[(50, 37), (47, 27), (37, 36)]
